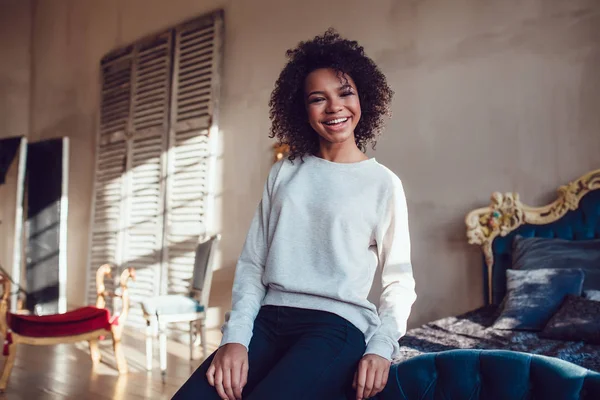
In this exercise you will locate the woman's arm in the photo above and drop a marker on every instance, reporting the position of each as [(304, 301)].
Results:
[(228, 372), (398, 294), (248, 289), (397, 297)]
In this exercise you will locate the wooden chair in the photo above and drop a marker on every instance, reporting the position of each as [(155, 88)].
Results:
[(191, 308), (85, 323)]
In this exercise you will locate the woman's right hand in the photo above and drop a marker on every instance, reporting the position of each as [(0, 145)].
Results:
[(228, 372)]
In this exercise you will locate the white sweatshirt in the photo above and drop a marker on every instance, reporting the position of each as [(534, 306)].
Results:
[(320, 232)]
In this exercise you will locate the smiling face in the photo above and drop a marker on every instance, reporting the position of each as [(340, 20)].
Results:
[(332, 105)]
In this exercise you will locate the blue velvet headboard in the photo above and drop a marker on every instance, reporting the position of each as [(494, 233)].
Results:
[(574, 215)]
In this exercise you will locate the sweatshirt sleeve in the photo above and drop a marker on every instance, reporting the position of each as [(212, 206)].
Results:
[(398, 285), (248, 288)]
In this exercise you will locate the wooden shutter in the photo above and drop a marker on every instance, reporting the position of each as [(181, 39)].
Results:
[(146, 168), (115, 102), (108, 194), (159, 104), (128, 205), (195, 94)]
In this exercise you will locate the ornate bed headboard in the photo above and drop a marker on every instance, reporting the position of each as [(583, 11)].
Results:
[(574, 215)]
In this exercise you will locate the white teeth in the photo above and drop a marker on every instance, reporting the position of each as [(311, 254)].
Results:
[(336, 121)]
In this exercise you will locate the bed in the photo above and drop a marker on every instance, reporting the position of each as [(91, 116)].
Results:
[(511, 236)]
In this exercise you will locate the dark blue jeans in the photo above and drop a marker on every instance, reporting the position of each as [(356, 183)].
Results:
[(294, 354)]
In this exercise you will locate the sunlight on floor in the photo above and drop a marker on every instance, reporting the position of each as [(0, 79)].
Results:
[(66, 371)]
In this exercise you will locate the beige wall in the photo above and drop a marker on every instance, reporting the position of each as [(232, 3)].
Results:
[(15, 29), (497, 95)]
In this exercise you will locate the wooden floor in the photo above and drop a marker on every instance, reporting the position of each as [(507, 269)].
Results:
[(66, 372)]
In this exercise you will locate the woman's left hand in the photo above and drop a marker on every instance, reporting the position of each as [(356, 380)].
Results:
[(371, 376)]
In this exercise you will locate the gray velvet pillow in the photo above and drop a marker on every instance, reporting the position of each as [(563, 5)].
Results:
[(592, 294), (533, 296), (535, 253), (577, 319)]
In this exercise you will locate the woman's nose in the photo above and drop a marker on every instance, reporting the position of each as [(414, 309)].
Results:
[(333, 106)]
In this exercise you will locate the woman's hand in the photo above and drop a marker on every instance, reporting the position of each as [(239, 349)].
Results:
[(371, 376), (228, 372)]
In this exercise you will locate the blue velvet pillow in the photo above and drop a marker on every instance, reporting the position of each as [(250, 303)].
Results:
[(577, 319), (533, 296), (537, 252)]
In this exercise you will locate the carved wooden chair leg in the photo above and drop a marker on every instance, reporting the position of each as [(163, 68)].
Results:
[(197, 338), (203, 338), (192, 337), (149, 347), (162, 344), (117, 329), (95, 352), (119, 355), (8, 365)]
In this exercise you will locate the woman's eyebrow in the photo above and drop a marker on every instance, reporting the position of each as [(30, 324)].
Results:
[(343, 87)]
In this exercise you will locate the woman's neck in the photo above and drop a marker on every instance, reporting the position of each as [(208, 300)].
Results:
[(341, 153)]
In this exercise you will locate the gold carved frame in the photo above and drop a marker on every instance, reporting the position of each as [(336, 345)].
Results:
[(506, 213), (92, 337)]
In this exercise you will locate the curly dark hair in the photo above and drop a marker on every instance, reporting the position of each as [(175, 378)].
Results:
[(289, 120)]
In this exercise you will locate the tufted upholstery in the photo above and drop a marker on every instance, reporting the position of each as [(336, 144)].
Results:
[(580, 224), (489, 374)]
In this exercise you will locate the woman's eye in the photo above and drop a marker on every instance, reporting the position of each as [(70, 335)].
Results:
[(316, 100), (347, 94)]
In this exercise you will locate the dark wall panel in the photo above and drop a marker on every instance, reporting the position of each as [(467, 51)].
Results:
[(44, 190)]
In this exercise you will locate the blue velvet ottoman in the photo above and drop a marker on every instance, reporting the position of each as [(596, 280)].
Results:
[(489, 374)]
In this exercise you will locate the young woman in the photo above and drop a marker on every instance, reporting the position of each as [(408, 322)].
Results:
[(301, 325)]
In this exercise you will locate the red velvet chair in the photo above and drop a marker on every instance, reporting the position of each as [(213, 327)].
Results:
[(85, 323)]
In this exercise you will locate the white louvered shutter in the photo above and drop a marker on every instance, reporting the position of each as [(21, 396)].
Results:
[(108, 199), (146, 168), (159, 103), (194, 99)]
